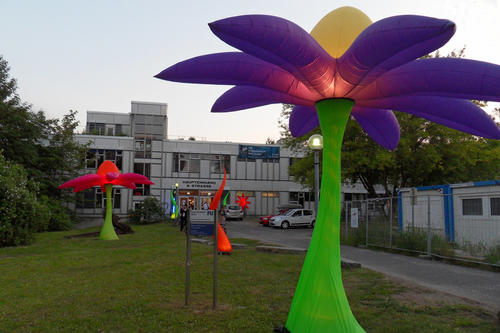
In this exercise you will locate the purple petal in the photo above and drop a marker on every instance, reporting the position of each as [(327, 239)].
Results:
[(381, 125), (446, 77), (246, 97), (303, 119), (389, 43), (235, 68), (462, 115), (282, 43)]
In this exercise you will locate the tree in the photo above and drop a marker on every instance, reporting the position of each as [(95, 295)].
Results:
[(44, 147), (443, 155)]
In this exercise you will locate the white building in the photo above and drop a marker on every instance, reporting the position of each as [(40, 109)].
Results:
[(138, 142), (464, 213)]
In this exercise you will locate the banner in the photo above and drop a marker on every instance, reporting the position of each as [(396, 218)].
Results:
[(258, 152)]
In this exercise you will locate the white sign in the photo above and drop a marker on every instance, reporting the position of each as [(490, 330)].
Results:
[(354, 217), (201, 216), (199, 184), (202, 222)]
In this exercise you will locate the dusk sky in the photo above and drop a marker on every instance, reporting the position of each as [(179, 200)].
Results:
[(101, 55)]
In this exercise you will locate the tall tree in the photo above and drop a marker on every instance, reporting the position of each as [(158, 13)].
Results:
[(44, 147), (427, 154)]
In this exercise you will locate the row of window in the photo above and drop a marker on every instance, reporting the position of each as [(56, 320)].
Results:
[(96, 198), (191, 162), (95, 157), (108, 129), (475, 206)]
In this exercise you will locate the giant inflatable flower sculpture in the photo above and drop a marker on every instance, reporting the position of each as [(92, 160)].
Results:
[(346, 66), (107, 176)]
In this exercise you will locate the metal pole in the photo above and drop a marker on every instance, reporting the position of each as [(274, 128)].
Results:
[(188, 257), (366, 211), (177, 204), (429, 239), (316, 181), (413, 202), (215, 260), (390, 224), (346, 218)]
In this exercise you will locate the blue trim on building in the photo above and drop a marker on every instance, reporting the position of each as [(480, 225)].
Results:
[(487, 183), (400, 211), (449, 219)]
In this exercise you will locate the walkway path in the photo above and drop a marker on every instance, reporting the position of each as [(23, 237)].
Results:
[(475, 284)]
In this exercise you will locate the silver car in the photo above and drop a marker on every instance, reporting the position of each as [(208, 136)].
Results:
[(294, 217), (234, 212)]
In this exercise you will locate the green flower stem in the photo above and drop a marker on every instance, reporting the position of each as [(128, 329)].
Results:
[(107, 230), (320, 303)]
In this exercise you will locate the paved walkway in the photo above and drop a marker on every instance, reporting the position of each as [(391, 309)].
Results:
[(475, 284)]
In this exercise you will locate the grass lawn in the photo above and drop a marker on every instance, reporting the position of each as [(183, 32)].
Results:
[(136, 284)]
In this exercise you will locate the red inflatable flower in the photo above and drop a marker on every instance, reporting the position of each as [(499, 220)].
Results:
[(107, 173), (107, 176)]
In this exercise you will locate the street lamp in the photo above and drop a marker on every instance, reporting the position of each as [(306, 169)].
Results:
[(315, 142), (177, 202)]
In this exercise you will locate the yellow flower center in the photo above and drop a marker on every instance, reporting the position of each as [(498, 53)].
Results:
[(338, 29)]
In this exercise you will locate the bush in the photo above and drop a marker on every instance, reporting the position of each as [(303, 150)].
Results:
[(18, 205), (493, 255), (148, 211), (53, 215), (416, 240)]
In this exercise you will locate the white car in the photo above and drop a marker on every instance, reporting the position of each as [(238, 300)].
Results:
[(292, 218), (234, 212)]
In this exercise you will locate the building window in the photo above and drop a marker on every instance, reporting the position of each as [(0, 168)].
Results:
[(309, 196), (191, 162), (472, 206), (245, 193), (149, 125), (145, 170), (95, 157), (270, 194), (495, 206), (143, 148), (96, 198), (96, 128)]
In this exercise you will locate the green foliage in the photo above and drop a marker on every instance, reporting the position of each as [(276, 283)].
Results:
[(46, 148), (493, 255), (18, 205), (49, 155), (416, 240), (148, 211), (443, 155), (53, 215)]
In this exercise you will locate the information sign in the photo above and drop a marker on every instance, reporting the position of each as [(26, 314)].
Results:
[(202, 222)]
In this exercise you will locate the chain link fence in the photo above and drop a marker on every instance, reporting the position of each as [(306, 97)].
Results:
[(444, 225)]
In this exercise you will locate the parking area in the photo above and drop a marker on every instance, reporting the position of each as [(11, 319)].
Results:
[(251, 229)]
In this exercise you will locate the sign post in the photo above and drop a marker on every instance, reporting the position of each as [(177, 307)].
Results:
[(188, 258), (215, 261), (202, 222)]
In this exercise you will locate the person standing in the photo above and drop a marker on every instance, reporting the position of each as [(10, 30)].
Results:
[(183, 214)]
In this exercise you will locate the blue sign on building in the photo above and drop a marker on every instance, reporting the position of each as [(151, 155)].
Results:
[(258, 152)]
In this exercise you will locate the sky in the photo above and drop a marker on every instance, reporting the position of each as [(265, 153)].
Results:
[(101, 55)]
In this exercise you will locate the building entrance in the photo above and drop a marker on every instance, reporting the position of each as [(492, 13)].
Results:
[(195, 199)]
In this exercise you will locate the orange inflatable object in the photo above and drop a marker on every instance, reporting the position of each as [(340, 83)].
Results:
[(215, 202), (223, 244)]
